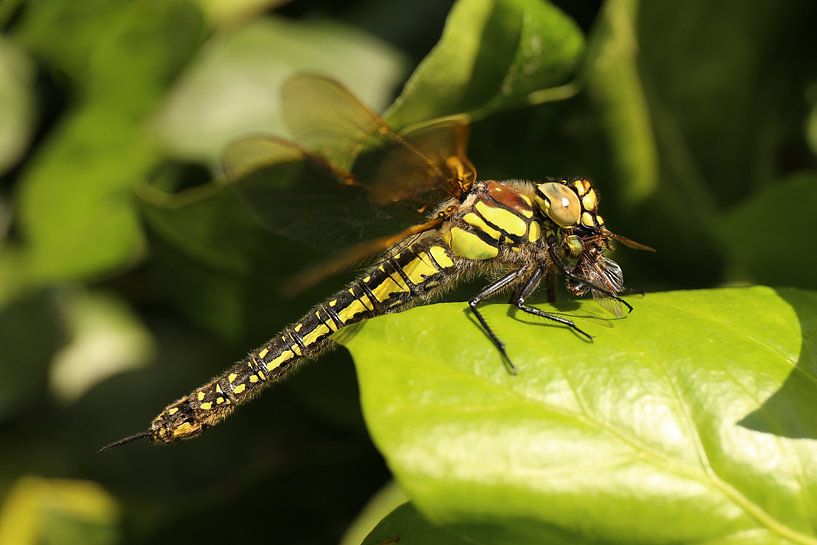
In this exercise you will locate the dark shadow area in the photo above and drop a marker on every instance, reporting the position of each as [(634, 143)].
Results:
[(792, 410)]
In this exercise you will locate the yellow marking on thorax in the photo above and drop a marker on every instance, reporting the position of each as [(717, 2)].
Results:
[(240, 388), (419, 269), (470, 246), (441, 257), (383, 291), (587, 220), (313, 336), (534, 231), (504, 219), (286, 355), (472, 219)]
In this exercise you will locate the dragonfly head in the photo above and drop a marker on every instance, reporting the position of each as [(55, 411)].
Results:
[(571, 204)]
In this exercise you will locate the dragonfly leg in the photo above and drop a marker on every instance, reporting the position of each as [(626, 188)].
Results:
[(518, 300), (557, 260), (485, 293)]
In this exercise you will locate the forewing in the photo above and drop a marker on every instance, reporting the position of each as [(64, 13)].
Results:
[(607, 274), (426, 164), (327, 119), (419, 167)]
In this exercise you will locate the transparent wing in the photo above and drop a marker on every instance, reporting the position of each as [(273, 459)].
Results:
[(607, 274), (425, 162), (302, 196), (347, 180)]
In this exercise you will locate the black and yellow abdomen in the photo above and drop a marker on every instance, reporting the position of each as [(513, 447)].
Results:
[(398, 280)]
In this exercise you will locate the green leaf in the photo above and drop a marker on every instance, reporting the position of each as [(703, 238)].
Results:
[(690, 420), (16, 104), (75, 209), (614, 84), (407, 526), (765, 254), (492, 54), (59, 512), (386, 500), (232, 88)]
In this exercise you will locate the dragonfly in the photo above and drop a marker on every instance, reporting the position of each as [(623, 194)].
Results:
[(414, 199)]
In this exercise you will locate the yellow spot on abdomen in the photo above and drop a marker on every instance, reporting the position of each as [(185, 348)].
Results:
[(353, 309), (173, 410), (206, 406), (200, 396), (253, 378), (263, 352), (441, 256), (231, 377), (386, 288), (418, 270), (286, 355), (313, 336), (240, 388)]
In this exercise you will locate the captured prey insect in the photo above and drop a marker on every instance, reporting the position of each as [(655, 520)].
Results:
[(367, 179)]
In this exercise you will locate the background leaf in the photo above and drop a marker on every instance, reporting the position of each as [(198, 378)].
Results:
[(76, 213), (17, 106), (634, 437), (491, 54)]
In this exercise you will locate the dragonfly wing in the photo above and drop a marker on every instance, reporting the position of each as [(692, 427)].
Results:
[(427, 163), (302, 196), (325, 117)]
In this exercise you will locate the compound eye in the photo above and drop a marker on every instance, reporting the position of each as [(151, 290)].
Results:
[(560, 203)]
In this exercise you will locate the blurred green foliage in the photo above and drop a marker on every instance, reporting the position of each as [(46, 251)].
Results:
[(128, 276)]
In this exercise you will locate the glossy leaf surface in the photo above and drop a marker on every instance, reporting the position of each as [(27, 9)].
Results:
[(690, 420)]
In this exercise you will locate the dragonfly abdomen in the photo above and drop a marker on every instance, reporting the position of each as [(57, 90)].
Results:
[(401, 278)]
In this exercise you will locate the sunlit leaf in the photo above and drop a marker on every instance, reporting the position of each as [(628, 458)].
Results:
[(492, 54), (690, 420), (106, 339), (386, 500), (614, 84), (58, 512)]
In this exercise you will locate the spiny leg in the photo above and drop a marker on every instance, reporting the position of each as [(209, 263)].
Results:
[(557, 260), (518, 300), (487, 292)]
